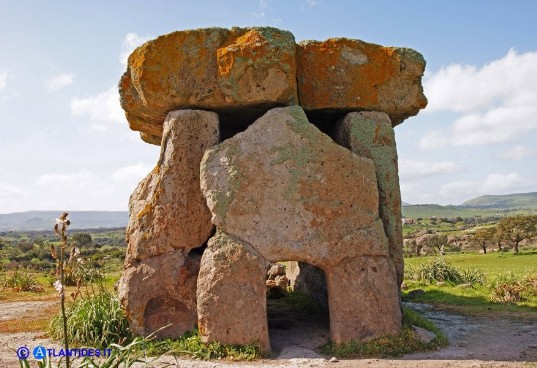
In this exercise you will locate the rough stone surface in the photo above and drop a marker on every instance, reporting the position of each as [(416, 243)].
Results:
[(161, 291), (232, 305), (363, 296), (352, 75), (370, 134), (167, 209), (212, 69), (290, 192), (283, 185)]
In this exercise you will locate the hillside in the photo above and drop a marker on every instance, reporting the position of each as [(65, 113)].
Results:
[(44, 220), (488, 205), (519, 200)]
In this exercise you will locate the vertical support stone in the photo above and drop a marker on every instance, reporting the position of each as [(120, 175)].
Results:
[(232, 305), (363, 299), (159, 294), (168, 210), (169, 217), (371, 134)]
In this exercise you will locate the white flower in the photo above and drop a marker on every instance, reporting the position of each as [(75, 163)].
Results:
[(58, 286), (81, 260)]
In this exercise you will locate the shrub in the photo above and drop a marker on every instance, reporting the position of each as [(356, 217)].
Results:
[(440, 271), (510, 289), (94, 320), (22, 281)]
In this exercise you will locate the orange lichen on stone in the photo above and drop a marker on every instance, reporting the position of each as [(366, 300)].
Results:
[(341, 72), (346, 74), (211, 69)]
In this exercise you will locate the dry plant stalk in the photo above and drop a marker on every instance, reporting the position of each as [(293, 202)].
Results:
[(60, 228)]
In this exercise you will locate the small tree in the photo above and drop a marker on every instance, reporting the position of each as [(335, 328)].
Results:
[(516, 229), (483, 237), (436, 242), (82, 238)]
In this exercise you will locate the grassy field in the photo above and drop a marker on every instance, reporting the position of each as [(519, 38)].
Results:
[(499, 269)]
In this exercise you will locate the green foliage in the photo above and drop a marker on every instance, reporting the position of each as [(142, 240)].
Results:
[(93, 320), (391, 346), (82, 239), (516, 229), (22, 281), (302, 303), (190, 344), (440, 271), (497, 267)]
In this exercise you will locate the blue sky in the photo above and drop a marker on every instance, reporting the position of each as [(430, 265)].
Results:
[(66, 145)]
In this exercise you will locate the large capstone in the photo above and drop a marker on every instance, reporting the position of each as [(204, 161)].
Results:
[(240, 73)]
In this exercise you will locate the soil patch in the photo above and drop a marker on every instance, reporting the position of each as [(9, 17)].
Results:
[(475, 341)]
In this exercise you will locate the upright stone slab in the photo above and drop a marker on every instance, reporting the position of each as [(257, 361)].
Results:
[(367, 302), (168, 217), (370, 134), (341, 74), (290, 192), (241, 69), (159, 294), (232, 305), (167, 209)]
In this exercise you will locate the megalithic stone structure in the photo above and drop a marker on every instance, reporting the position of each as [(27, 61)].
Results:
[(279, 151)]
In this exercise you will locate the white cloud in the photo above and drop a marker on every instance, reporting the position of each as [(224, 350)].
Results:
[(412, 169), (459, 188), (58, 82), (494, 126), (509, 81), (9, 190), (434, 139), (132, 172), (492, 184), (496, 103), (503, 184), (84, 189), (3, 79), (517, 153), (104, 107), (131, 42)]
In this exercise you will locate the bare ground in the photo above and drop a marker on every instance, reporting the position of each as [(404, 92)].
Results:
[(475, 341)]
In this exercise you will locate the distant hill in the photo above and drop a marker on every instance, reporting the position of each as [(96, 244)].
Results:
[(488, 205), (44, 220), (519, 200)]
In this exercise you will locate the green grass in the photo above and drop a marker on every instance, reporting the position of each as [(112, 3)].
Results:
[(478, 298), (93, 320), (391, 346), (190, 345), (491, 264)]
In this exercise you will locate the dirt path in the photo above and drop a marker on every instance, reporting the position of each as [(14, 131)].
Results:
[(474, 342)]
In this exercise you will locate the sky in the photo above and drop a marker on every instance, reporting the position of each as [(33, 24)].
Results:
[(65, 143)]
